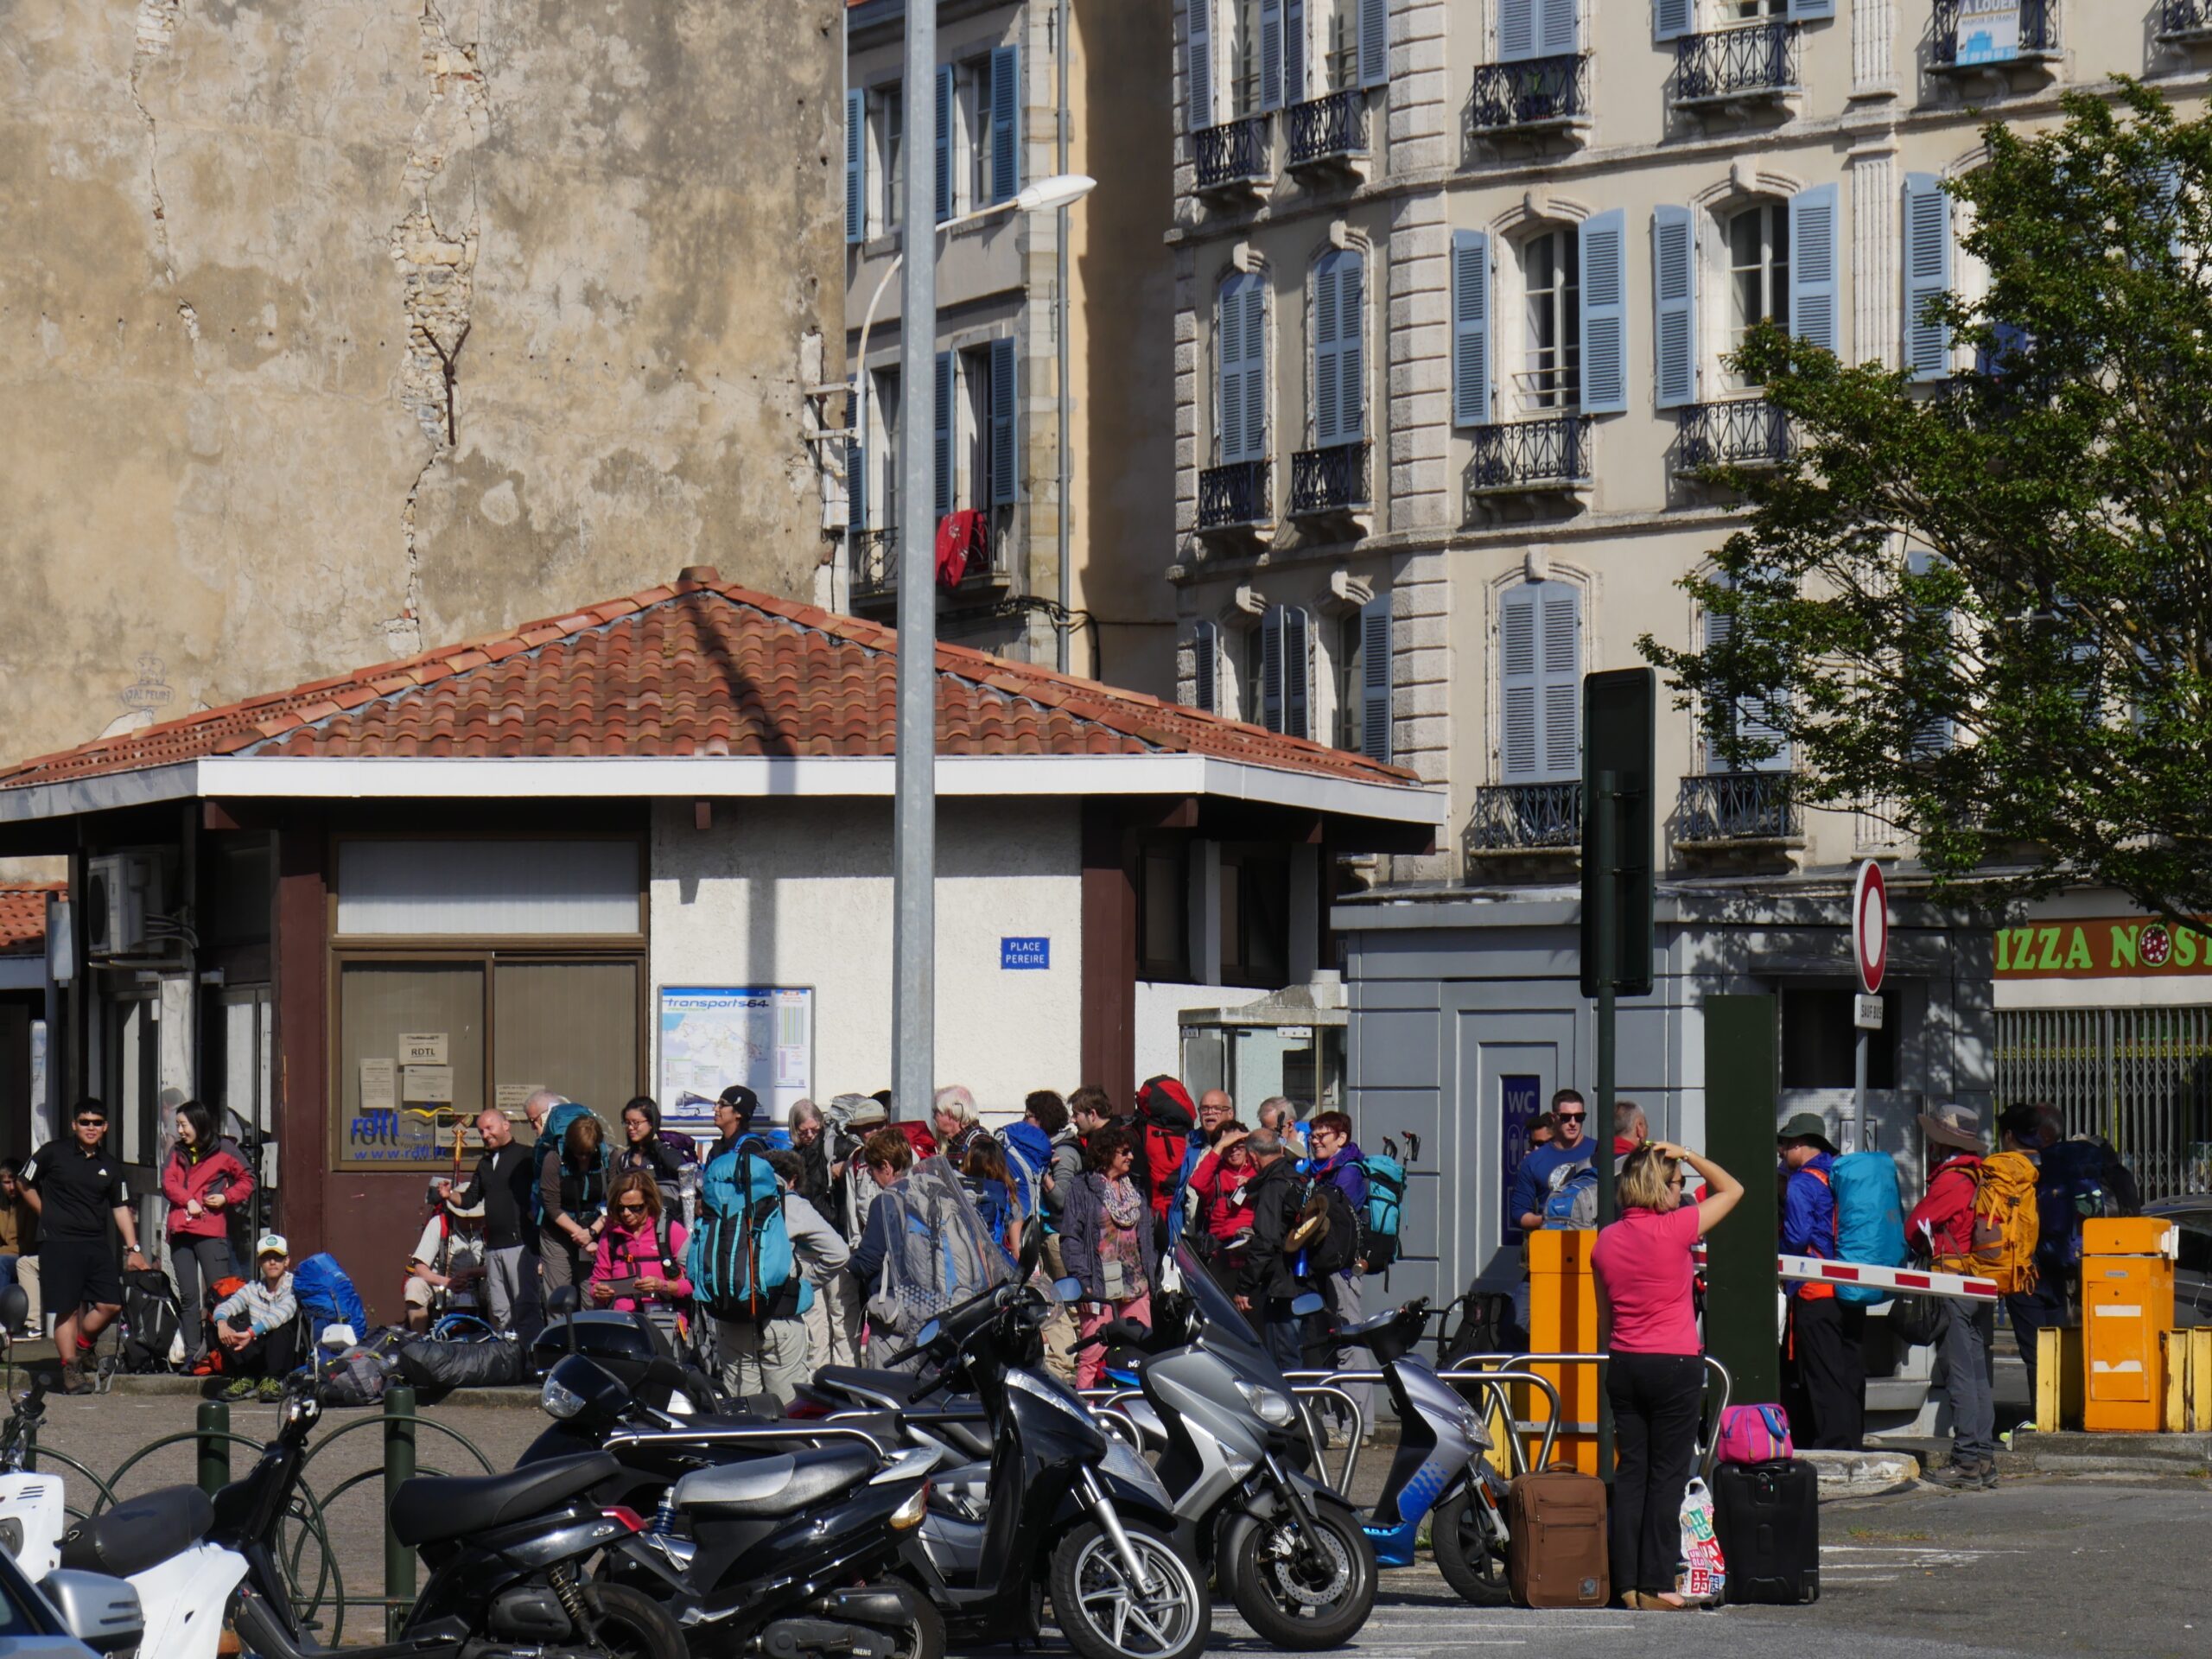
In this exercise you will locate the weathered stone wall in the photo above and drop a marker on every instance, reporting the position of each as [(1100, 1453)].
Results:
[(330, 328)]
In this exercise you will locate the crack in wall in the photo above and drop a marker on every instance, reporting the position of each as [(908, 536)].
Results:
[(155, 32), (437, 269)]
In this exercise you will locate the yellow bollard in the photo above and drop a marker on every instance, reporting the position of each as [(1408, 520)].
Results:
[(1563, 1319)]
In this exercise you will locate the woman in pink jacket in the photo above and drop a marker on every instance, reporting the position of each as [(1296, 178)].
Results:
[(635, 1249), (204, 1181)]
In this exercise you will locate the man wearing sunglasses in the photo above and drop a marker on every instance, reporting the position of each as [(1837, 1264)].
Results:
[(76, 1188), (1541, 1169)]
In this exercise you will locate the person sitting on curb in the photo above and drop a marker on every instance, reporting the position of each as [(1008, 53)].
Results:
[(258, 1326)]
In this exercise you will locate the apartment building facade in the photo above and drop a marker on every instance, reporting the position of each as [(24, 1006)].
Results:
[(1052, 475), (1457, 283)]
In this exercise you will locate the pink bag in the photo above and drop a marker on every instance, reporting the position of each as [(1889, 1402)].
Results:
[(1754, 1435)]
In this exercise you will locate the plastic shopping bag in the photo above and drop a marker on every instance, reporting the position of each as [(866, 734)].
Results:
[(1704, 1574)]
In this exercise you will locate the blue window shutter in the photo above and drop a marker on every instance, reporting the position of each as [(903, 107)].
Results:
[(1673, 323), (1006, 123), (1516, 30), (1520, 677), (1270, 54), (1271, 669), (1351, 344), (855, 165), (945, 143), (1205, 667), (1293, 51), (1297, 672), (1325, 364), (1558, 608), (1005, 412), (1747, 716), (1229, 367), (1375, 678), (944, 433), (1672, 19), (1605, 313), (1555, 28), (1374, 42), (1934, 735), (1801, 9), (1470, 328), (856, 481), (1240, 348), (1813, 300), (1927, 274), (1197, 64)]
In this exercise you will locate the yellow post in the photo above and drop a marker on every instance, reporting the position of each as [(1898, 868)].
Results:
[(1563, 1319), (2173, 1347), (2050, 1348), (2200, 1379)]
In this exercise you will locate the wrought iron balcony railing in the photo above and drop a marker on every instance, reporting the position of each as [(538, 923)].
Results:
[(2185, 20), (1721, 806), (1550, 453), (1331, 127), (1746, 432), (1511, 818), (1235, 496), (1531, 94), (1333, 479), (1750, 64), (875, 560), (1235, 153), (1960, 41)]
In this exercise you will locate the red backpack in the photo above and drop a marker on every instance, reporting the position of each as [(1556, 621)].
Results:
[(1165, 1116)]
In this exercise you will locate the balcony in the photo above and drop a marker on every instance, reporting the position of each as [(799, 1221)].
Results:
[(1528, 817), (1531, 457), (1328, 132), (1962, 41), (1324, 482), (1724, 808), (1235, 156), (875, 565), (1746, 432), (1235, 499), (1753, 65), (1534, 95), (2185, 23)]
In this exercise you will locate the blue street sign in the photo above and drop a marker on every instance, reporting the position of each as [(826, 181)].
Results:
[(1025, 953)]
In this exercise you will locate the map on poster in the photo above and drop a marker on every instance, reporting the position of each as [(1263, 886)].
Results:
[(712, 1036)]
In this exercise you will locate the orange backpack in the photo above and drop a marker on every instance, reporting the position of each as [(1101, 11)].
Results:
[(2006, 1224)]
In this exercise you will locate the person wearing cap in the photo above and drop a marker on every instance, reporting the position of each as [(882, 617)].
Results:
[(76, 1187), (1942, 1224), (258, 1325), (1823, 1370), (734, 1109)]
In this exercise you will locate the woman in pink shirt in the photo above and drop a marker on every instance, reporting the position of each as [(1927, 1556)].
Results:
[(1655, 1374), (640, 1261)]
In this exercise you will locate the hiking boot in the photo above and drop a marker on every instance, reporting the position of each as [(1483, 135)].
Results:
[(270, 1390), (1964, 1475), (240, 1388), (74, 1379)]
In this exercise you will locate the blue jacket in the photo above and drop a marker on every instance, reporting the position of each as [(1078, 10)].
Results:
[(1808, 1214), (1343, 1170), (1532, 1181)]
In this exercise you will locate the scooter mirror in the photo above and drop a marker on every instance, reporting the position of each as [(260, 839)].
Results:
[(1068, 1290), (579, 1391), (15, 1308), (566, 1300), (1311, 1302), (927, 1335)]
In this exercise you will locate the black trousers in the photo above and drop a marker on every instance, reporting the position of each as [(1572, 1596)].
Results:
[(273, 1353), (1657, 1399), (2030, 1312), (1824, 1374)]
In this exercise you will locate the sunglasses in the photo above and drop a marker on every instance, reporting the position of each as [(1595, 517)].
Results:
[(1571, 1117), (633, 1203), (91, 1122)]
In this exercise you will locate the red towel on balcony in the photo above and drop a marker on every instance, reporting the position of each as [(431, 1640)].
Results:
[(957, 534)]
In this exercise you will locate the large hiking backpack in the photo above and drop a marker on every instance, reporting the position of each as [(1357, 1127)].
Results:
[(2070, 1187), (1570, 1202), (1386, 1209), (152, 1321), (1335, 1246), (739, 1261), (1869, 1219), (1025, 1165), (1164, 1120), (2005, 1225), (327, 1297), (551, 1137)]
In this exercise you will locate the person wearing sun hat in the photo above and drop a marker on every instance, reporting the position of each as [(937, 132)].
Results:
[(1823, 1370), (1942, 1224), (258, 1326)]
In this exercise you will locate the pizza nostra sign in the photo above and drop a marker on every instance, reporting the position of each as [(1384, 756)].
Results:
[(2106, 948)]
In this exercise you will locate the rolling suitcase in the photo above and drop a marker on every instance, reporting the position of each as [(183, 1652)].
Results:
[(1556, 1556), (1767, 1519)]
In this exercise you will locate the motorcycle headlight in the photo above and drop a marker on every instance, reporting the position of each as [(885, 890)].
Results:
[(1270, 1406), (909, 1514), (560, 1402)]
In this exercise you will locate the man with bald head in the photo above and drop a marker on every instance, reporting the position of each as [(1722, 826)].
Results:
[(502, 1183)]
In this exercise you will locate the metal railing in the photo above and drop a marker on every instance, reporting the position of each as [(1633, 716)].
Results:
[(2038, 36), (1718, 806), (1550, 453), (1757, 60), (1235, 495), (1236, 152), (1532, 92), (875, 559), (1742, 432), (1333, 479), (1528, 816), (2140, 1077), (1330, 128), (2185, 20)]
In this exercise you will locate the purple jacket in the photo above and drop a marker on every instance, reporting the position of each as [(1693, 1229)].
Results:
[(1344, 1171)]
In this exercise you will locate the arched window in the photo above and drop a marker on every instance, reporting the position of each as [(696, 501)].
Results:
[(1240, 368), (1551, 360), (1758, 249), (1540, 682), (1339, 385)]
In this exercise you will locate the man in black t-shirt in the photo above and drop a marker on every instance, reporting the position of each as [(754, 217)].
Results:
[(504, 1177), (77, 1188)]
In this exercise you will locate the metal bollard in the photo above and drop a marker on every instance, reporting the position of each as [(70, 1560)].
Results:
[(398, 1465), (213, 1428)]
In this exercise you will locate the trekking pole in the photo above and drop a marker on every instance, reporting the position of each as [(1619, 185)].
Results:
[(213, 1428), (398, 1465)]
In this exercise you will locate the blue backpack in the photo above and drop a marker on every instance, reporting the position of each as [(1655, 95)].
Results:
[(1572, 1203), (1869, 1219), (549, 1140), (739, 1261), (1386, 1211), (327, 1297), (2069, 1185)]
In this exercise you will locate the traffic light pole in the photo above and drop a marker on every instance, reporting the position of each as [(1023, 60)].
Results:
[(1605, 832)]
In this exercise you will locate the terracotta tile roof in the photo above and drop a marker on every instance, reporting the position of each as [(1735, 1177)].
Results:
[(699, 666), (22, 916)]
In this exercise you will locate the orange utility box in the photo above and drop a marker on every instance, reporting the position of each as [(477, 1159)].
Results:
[(1563, 1319), (2128, 1304)]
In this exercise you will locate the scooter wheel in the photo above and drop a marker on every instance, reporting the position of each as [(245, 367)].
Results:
[(632, 1625), (1303, 1606), (1105, 1615), (924, 1636), (1464, 1556)]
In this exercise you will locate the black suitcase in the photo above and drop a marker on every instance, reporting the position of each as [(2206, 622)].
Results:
[(1767, 1516)]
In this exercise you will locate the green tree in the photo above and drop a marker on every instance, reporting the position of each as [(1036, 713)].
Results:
[(1983, 598)]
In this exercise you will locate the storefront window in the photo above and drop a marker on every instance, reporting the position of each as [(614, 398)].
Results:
[(569, 1025), (410, 1057)]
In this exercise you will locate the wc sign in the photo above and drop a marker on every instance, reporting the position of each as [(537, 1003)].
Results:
[(1031, 952)]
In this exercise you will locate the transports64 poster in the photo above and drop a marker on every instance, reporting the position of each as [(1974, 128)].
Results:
[(712, 1036)]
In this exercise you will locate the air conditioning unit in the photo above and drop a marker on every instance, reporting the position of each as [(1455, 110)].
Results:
[(122, 891)]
